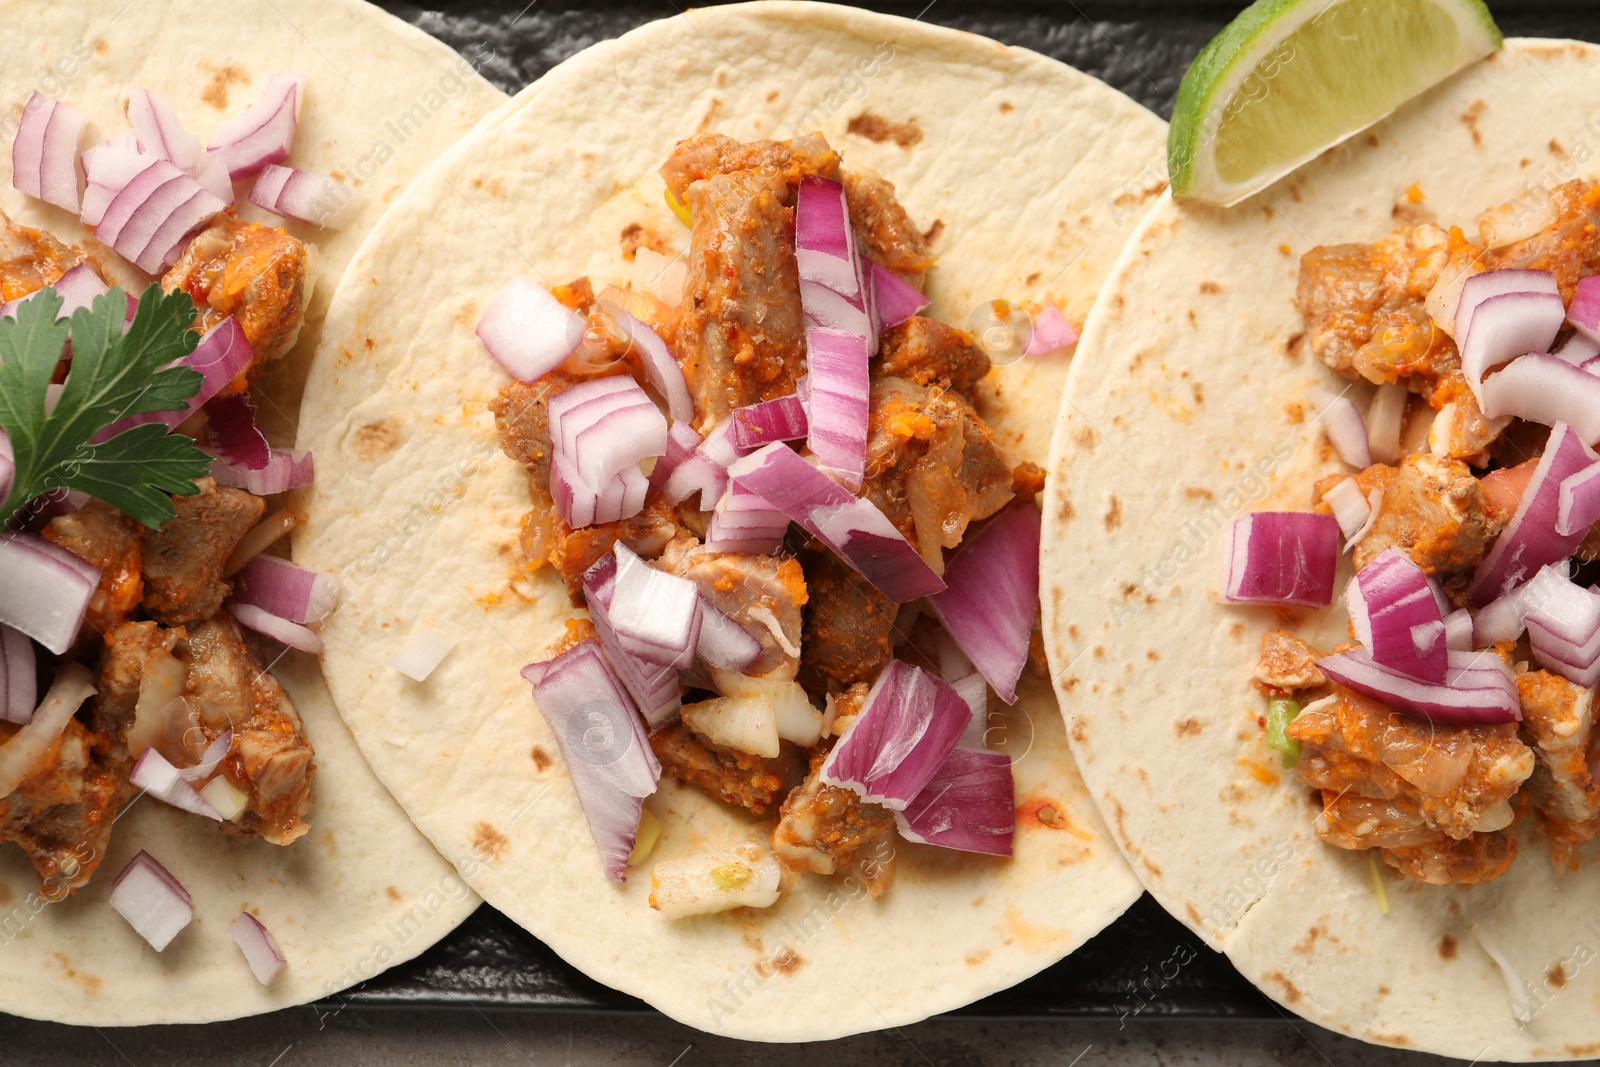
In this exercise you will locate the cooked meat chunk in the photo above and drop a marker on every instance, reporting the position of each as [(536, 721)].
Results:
[(1569, 248), (575, 551), (849, 625), (1435, 511), (733, 777), (1389, 780), (1287, 664), (62, 813), (926, 352), (522, 415), (256, 274), (883, 229), (271, 759), (134, 652), (763, 594), (707, 154), (1446, 861), (31, 259), (742, 333), (932, 465), (183, 560), (826, 829), (1460, 430), (1558, 722), (112, 542)]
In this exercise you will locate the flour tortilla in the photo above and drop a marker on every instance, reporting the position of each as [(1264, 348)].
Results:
[(1023, 163), (363, 890), (1185, 411)]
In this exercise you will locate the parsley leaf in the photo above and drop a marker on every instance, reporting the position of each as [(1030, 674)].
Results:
[(114, 375)]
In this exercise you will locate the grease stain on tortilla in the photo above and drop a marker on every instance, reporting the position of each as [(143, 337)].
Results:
[(1447, 947), (541, 759), (975, 959), (1295, 412), (1291, 992), (1030, 936), (487, 841), (1260, 772), (878, 129), (373, 440), (87, 982), (1469, 119), (220, 81)]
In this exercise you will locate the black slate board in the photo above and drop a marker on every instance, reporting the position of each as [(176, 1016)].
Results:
[(1145, 965)]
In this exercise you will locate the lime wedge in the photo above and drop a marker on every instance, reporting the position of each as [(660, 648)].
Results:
[(1289, 79)]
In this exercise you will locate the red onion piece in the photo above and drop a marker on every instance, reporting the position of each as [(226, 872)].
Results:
[(1479, 687), (108, 168), (1545, 389), (153, 902), (838, 407), (655, 615), (19, 676), (1480, 287), (783, 419), (725, 644), (1500, 620), (210, 759), (46, 590), (232, 433), (1282, 557), (289, 592), (605, 425), (77, 288), (155, 776), (1578, 506), (705, 472), (220, 357), (660, 366), (260, 950), (1389, 598), (149, 219), (44, 153), (264, 132), (422, 653), (1051, 333), (1584, 314), (579, 505), (528, 331), (682, 442), (835, 287), (1458, 630), (1563, 622), (992, 596), (907, 727), (1350, 508), (969, 804), (281, 630), (160, 131), (746, 523), (896, 299), (1577, 349), (654, 688), (287, 468), (311, 198), (856, 531), (603, 743), (20, 755), (212, 175), (1507, 326), (1346, 429), (1530, 541)]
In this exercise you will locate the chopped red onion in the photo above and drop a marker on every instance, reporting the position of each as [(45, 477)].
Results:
[(154, 775), (655, 615), (264, 132), (991, 596), (1545, 389), (1578, 506), (287, 591), (969, 804), (221, 356), (212, 175), (682, 441), (856, 531), (1584, 314), (834, 284), (660, 365), (705, 472), (605, 425), (1385, 419), (1458, 630), (46, 590), (1282, 557), (654, 688), (20, 755), (19, 676), (1477, 288), (210, 759), (620, 498), (1530, 541), (108, 168), (529, 331), (1505, 327), (783, 419), (897, 299), (311, 198), (1578, 350), (287, 468), (160, 131), (725, 644), (261, 952), (1350, 508), (1563, 621), (281, 630), (908, 726), (746, 523), (44, 153), (1346, 429), (838, 408), (1479, 687), (1051, 333), (232, 433), (1500, 620), (150, 219), (422, 653), (603, 743), (1388, 600), (154, 902), (77, 288)]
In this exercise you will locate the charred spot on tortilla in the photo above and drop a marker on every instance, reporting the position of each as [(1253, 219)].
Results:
[(393, 894), (1189, 727), (541, 759), (878, 129), (1113, 518), (934, 232), (489, 842), (373, 440), (220, 81)]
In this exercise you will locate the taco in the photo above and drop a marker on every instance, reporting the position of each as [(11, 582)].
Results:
[(1295, 410), (690, 226), (174, 780)]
